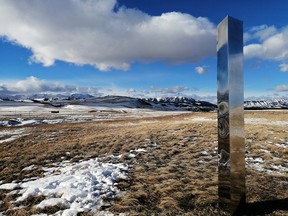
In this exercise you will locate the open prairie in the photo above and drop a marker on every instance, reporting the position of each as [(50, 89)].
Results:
[(170, 163)]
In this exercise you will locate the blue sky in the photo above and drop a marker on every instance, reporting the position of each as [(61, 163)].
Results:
[(138, 47)]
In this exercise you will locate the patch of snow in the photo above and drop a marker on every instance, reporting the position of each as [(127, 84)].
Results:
[(131, 155), (278, 167), (258, 164), (50, 202), (116, 156), (202, 162), (255, 160), (266, 151), (139, 150), (9, 186), (14, 134), (204, 153), (29, 179), (141, 123), (201, 119), (106, 213), (10, 139), (283, 145), (77, 186), (20, 122), (77, 107), (264, 121), (30, 122), (28, 107), (255, 163), (53, 121), (38, 215), (28, 168), (10, 132)]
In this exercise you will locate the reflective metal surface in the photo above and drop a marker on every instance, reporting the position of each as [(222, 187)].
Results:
[(231, 145)]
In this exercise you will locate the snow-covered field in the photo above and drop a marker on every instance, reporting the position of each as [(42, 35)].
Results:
[(23, 114), (11, 135), (78, 187)]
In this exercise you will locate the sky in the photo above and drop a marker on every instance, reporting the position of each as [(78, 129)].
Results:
[(138, 48)]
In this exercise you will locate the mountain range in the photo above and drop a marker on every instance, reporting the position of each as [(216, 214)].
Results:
[(163, 103), (266, 104)]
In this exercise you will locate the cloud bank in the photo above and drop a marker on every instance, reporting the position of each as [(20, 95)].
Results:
[(272, 45), (175, 90), (33, 85), (103, 34), (281, 88)]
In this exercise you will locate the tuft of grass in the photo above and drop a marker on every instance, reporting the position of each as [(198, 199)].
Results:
[(52, 209)]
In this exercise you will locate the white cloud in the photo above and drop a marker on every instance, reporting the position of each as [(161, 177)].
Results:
[(102, 34), (131, 90), (203, 97), (272, 45), (281, 88), (284, 67), (175, 90), (270, 94), (266, 33), (201, 69), (260, 32), (33, 85)]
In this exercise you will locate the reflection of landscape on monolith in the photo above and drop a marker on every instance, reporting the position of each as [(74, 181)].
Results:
[(231, 147)]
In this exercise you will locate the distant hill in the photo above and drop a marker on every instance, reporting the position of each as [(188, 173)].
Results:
[(45, 96), (164, 103), (183, 103), (80, 96), (266, 104)]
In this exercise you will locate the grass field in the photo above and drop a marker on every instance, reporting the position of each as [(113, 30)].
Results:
[(172, 162)]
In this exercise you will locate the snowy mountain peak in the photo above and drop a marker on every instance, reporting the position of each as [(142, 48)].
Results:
[(80, 96), (176, 99), (266, 104)]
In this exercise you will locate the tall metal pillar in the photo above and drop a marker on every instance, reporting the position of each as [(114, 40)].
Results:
[(231, 143)]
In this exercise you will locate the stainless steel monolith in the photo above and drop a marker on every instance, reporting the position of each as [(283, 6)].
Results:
[(231, 144)]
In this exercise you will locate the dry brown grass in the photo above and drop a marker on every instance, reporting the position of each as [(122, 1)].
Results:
[(174, 177), (262, 186)]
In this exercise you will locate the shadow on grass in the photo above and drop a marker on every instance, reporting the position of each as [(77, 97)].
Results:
[(266, 207)]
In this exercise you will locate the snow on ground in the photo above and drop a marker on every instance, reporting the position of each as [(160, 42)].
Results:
[(274, 165), (75, 186), (11, 135), (282, 145), (264, 121), (141, 123), (21, 122), (258, 163), (16, 107), (76, 113), (259, 121), (202, 119)]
